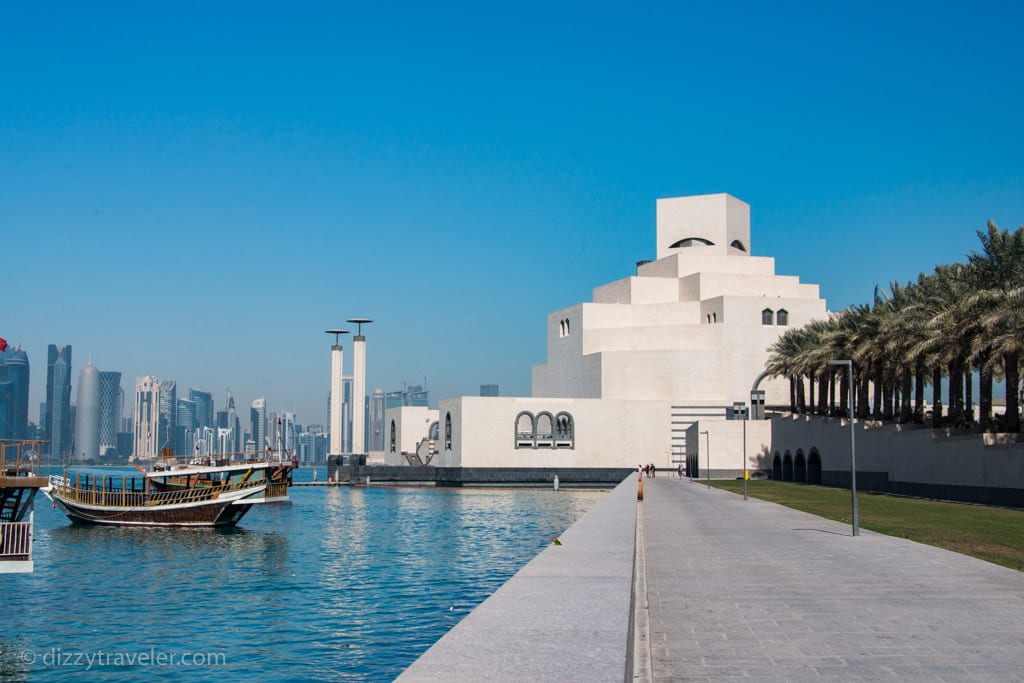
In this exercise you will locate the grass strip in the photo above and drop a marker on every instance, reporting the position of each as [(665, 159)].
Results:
[(988, 533)]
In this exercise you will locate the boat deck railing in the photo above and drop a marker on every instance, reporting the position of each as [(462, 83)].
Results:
[(66, 488), (222, 459), (15, 541), (20, 457)]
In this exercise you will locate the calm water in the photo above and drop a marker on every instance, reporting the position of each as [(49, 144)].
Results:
[(340, 584)]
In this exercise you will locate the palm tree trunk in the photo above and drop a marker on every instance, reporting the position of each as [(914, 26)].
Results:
[(937, 396), (792, 394), (822, 396), (863, 407), (878, 390), (887, 400), (801, 402), (905, 412), (985, 398), (810, 392), (844, 392), (956, 392), (1011, 366), (832, 393), (969, 395), (919, 383)]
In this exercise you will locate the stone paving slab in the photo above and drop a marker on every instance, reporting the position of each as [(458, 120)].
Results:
[(752, 589), (564, 617)]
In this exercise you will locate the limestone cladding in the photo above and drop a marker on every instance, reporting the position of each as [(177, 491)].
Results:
[(725, 438), (606, 433), (410, 425)]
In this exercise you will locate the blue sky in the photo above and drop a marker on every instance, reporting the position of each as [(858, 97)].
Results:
[(198, 192)]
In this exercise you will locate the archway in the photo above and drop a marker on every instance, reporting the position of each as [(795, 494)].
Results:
[(777, 467), (787, 467), (814, 467), (800, 468)]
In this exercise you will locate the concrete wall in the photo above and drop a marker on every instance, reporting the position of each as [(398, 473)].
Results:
[(607, 433), (725, 441), (909, 460)]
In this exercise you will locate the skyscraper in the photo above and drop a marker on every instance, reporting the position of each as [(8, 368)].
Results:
[(87, 414), (111, 407), (58, 399), (14, 379), (376, 432), (204, 407), (258, 419), (168, 413), (146, 418)]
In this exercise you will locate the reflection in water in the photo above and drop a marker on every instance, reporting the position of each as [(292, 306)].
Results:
[(345, 583)]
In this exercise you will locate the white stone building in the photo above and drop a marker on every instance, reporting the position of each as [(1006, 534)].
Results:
[(635, 375)]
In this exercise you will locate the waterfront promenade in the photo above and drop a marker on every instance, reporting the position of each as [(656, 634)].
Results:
[(729, 588)]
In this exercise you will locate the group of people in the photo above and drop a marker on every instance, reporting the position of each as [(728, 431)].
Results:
[(646, 470)]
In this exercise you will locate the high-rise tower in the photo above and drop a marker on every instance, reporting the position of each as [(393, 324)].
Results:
[(87, 414), (258, 419), (146, 418), (58, 399), (111, 407), (168, 413), (14, 380), (334, 407)]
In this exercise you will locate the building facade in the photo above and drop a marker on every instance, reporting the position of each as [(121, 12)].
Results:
[(146, 419), (111, 407), (649, 357)]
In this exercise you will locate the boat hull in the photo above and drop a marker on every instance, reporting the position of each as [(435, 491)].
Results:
[(211, 514)]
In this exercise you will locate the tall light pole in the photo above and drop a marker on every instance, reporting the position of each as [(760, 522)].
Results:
[(358, 386), (707, 436), (741, 407), (853, 445), (336, 391)]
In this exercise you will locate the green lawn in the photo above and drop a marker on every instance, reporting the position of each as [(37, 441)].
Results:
[(993, 534)]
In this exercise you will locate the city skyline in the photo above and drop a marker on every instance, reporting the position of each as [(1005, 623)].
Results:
[(198, 194)]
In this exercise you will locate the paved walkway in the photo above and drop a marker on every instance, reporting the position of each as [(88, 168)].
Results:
[(752, 589)]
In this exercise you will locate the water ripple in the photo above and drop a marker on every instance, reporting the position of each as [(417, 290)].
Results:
[(341, 584)]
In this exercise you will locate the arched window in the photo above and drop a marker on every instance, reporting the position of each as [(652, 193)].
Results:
[(566, 327), (800, 468), (714, 317), (392, 442), (545, 430), (447, 431), (777, 467), (787, 467), (435, 431), (709, 318), (564, 431), (736, 244), (783, 316), (525, 430), (692, 242), (561, 328), (767, 316)]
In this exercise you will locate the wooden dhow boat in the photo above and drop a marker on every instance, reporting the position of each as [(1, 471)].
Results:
[(216, 494)]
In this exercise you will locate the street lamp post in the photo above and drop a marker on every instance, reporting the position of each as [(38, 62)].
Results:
[(853, 445), (707, 437), (742, 409)]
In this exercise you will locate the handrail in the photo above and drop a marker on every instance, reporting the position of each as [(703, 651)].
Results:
[(16, 540), (31, 465), (63, 487)]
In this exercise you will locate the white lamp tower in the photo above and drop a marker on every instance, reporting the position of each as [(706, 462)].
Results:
[(358, 386), (336, 392)]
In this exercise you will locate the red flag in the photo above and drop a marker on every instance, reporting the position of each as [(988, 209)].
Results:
[(3, 344)]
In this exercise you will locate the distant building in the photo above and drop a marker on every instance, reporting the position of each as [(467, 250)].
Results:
[(168, 413), (59, 425), (488, 389), (375, 433), (14, 384), (87, 415), (204, 407), (111, 407), (258, 422), (146, 419)]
